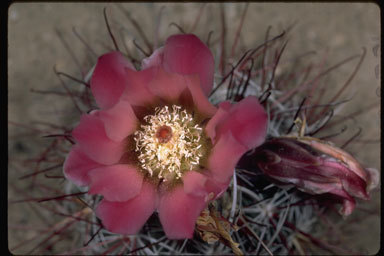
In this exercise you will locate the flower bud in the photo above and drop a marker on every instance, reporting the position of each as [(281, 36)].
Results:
[(315, 167)]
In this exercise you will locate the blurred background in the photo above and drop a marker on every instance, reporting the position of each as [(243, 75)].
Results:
[(336, 31)]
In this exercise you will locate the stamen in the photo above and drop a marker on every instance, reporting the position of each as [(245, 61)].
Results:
[(170, 143)]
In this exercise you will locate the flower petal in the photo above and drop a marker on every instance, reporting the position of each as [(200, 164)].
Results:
[(373, 178), (77, 165), (336, 194), (352, 183), (340, 196), (128, 217), (275, 166), (155, 60), (215, 189), (200, 100), (194, 183), (348, 206), (119, 121), (337, 153), (137, 92), (220, 115), (291, 151), (187, 55), (224, 157), (116, 182), (178, 213), (247, 121), (316, 187), (93, 141), (349, 202), (109, 78), (167, 86)]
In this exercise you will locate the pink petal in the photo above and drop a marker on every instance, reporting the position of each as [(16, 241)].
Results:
[(349, 204), (200, 100), (77, 165), (109, 78), (93, 141), (314, 187), (187, 55), (178, 212), (247, 121), (194, 183), (155, 60), (340, 154), (220, 115), (215, 189), (332, 188), (224, 157), (167, 86), (352, 183), (128, 217), (136, 92), (119, 121), (373, 178), (116, 182)]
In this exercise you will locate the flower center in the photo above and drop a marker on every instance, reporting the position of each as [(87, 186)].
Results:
[(164, 134), (169, 143)]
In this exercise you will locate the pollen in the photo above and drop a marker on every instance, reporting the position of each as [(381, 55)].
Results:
[(169, 143)]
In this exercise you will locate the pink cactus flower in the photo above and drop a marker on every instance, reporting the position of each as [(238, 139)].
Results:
[(157, 143)]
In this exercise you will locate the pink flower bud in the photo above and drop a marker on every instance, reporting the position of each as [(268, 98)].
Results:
[(315, 167)]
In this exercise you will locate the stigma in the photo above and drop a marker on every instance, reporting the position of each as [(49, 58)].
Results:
[(169, 143), (164, 134)]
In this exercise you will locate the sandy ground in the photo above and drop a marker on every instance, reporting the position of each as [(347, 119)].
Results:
[(34, 48)]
